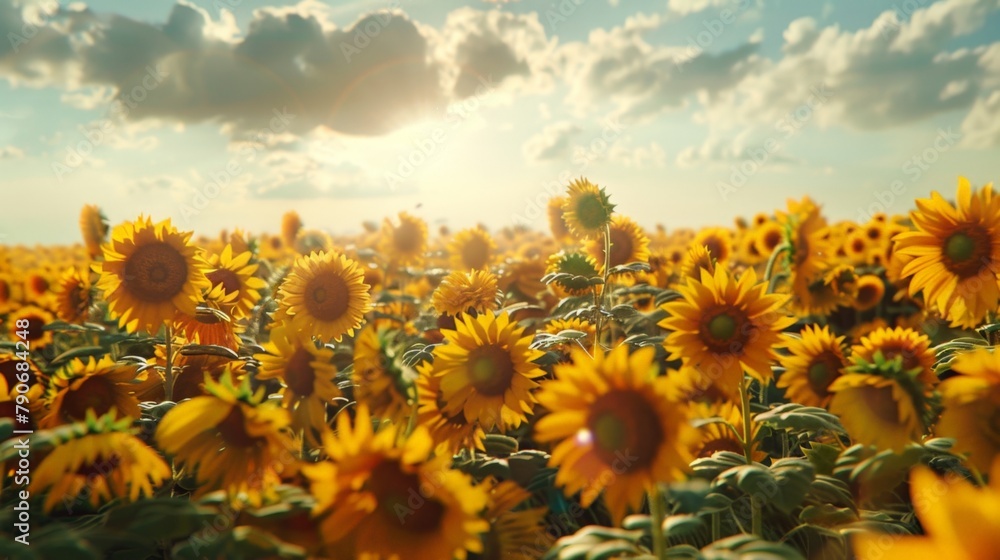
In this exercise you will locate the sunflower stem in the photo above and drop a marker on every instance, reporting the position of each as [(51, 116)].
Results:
[(657, 514), (168, 373), (716, 527), (599, 299), (773, 260), (755, 505)]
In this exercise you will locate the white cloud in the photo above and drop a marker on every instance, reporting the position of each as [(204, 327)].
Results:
[(552, 143), (11, 152)]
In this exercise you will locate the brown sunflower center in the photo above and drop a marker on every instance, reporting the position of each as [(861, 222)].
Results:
[(97, 393), (868, 294), (621, 247), (226, 278), (712, 447), (771, 239), (490, 370), (879, 401), (476, 253), (300, 377), (155, 272), (100, 468), (403, 501), (327, 297), (716, 247), (234, 431), (35, 326), (966, 252), (626, 430), (4, 291), (39, 284), (824, 369)]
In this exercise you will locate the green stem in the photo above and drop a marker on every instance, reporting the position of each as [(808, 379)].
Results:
[(657, 514), (168, 373), (755, 504), (773, 259), (599, 300), (755, 520), (716, 527)]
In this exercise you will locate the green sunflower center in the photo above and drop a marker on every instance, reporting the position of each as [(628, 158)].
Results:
[(592, 212), (626, 429), (722, 326), (960, 247), (490, 370), (967, 252), (610, 431)]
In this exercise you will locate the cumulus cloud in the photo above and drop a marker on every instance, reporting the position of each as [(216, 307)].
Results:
[(552, 143), (981, 127), (11, 152)]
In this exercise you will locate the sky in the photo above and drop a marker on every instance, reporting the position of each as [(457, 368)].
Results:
[(228, 113)]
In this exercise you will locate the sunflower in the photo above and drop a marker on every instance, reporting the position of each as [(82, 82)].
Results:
[(628, 244), (406, 243), (960, 521), (768, 236), (815, 360), (462, 292), (957, 252), (73, 296), (972, 407), (472, 248), (718, 436), (834, 288), (914, 349), (306, 375), (230, 441), (869, 292), (9, 294), (525, 276), (487, 370), (150, 271), (383, 499), (37, 285), (92, 385), (616, 427), (451, 432), (719, 242), (378, 382), (556, 326), (515, 533), (325, 294), (291, 224), (234, 285), (34, 334), (100, 461), (189, 374), (587, 209), (577, 268), (94, 227), (557, 225), (724, 327), (698, 258)]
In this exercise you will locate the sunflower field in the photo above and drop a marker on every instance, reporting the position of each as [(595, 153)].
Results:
[(786, 388)]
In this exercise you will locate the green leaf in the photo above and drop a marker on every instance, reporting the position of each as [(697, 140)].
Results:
[(823, 456), (827, 515), (208, 350), (79, 352), (795, 418)]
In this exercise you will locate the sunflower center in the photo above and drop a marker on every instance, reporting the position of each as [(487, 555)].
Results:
[(966, 252), (96, 393), (327, 297), (476, 253), (4, 291), (100, 468), (722, 326), (715, 247), (39, 285), (822, 372), (300, 377), (591, 211), (879, 401), (35, 325), (626, 430), (155, 272), (771, 239), (226, 278), (720, 444), (403, 501), (490, 370), (234, 431)]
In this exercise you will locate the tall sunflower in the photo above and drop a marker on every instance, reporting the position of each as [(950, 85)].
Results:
[(306, 374), (587, 209), (325, 295), (99, 386), (616, 428), (99, 460), (972, 407), (957, 252), (230, 441), (815, 360), (406, 243), (73, 296), (724, 327), (94, 228), (150, 272), (472, 249), (384, 499), (461, 292), (486, 370)]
